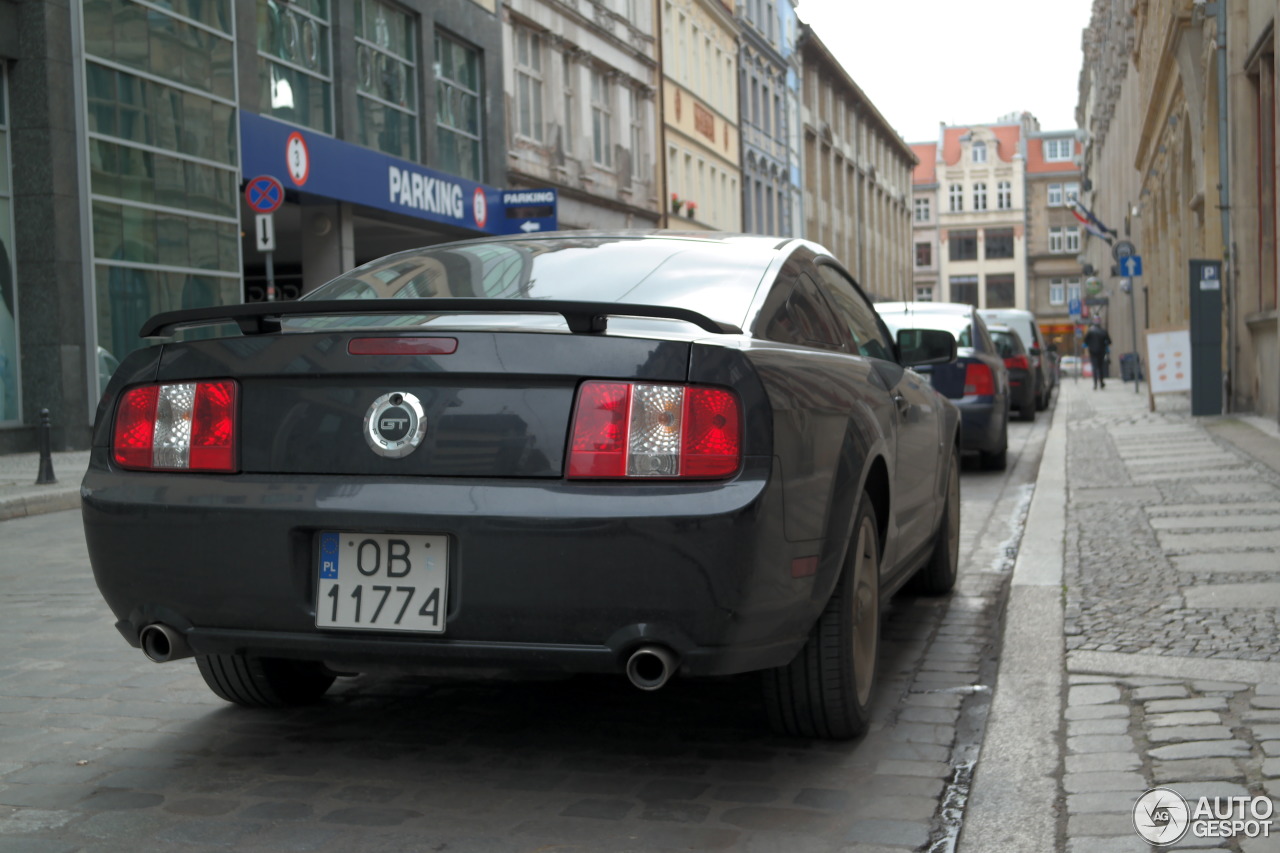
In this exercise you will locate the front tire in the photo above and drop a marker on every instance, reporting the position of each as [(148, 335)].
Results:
[(938, 576), (826, 691), (264, 682)]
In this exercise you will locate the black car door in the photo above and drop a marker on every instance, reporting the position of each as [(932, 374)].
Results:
[(914, 468)]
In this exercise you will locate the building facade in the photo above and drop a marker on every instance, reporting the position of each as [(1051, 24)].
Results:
[(924, 224), (977, 191), (1055, 235), (138, 123), (581, 85), (702, 167), (1178, 101), (857, 176), (769, 106)]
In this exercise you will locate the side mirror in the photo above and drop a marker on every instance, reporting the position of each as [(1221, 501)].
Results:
[(926, 346)]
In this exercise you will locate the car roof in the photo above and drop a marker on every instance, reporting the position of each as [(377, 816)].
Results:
[(924, 307)]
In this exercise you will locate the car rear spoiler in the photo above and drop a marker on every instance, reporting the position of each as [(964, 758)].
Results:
[(258, 318)]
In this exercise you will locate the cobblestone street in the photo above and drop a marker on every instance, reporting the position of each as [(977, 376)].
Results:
[(101, 750)]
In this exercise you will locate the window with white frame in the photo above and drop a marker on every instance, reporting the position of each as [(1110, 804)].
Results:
[(1055, 240), (979, 196), (1055, 195), (979, 152), (1057, 292), (924, 293), (296, 75), (1073, 289), (386, 79), (1070, 193), (1072, 238), (922, 209), (601, 120), (956, 193), (637, 134), (1058, 149), (1004, 195), (459, 82), (528, 70), (567, 84)]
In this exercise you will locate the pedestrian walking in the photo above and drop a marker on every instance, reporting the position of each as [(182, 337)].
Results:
[(1097, 342)]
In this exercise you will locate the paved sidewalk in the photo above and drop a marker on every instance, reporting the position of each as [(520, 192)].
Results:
[(1142, 637), (19, 495)]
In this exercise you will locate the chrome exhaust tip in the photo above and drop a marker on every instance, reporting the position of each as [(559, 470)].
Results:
[(650, 667), (160, 643)]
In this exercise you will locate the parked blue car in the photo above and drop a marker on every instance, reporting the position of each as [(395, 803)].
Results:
[(977, 381)]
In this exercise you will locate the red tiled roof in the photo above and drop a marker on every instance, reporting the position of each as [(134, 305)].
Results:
[(1037, 164), (926, 170), (1006, 135)]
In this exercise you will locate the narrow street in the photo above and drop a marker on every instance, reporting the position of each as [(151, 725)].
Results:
[(101, 749)]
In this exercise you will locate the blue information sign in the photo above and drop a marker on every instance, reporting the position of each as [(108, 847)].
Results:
[(1131, 267), (1073, 307), (324, 166)]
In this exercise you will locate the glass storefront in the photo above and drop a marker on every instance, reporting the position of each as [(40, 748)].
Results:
[(164, 188), (10, 396)]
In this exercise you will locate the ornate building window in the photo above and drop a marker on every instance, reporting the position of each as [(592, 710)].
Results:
[(957, 198), (1004, 195), (529, 83)]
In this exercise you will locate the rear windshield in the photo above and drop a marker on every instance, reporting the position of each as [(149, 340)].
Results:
[(957, 324), (1006, 343), (717, 280)]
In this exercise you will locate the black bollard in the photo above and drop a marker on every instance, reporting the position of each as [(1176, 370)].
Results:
[(45, 440)]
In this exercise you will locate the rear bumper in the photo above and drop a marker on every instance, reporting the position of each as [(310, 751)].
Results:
[(981, 423), (542, 573)]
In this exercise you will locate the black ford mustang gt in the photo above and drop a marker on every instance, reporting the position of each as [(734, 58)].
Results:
[(644, 453)]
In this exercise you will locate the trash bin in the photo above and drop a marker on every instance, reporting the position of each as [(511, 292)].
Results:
[(1129, 367)]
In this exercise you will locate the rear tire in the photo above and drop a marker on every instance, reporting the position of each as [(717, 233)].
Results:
[(825, 692), (264, 682), (1029, 413), (997, 460), (938, 576)]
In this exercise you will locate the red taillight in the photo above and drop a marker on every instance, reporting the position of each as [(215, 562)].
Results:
[(978, 380), (631, 429), (135, 426), (600, 430), (1018, 361), (177, 426), (712, 441)]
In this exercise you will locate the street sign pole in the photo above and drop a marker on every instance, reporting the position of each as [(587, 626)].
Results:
[(265, 194), (1133, 328)]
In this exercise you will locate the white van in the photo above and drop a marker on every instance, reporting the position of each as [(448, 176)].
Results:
[(1024, 323)]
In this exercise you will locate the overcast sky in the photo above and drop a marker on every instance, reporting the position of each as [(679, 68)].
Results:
[(928, 61)]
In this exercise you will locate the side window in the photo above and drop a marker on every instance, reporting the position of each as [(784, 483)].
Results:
[(982, 338), (869, 335), (798, 315)]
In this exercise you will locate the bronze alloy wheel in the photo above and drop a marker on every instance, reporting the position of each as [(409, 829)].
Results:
[(825, 692)]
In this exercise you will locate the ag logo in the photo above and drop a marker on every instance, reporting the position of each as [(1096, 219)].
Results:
[(1161, 816), (395, 424)]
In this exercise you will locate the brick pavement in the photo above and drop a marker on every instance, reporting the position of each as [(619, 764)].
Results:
[(1170, 599)]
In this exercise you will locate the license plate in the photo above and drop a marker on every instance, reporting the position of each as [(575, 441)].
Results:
[(382, 581)]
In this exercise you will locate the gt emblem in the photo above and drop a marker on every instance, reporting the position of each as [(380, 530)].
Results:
[(395, 424)]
